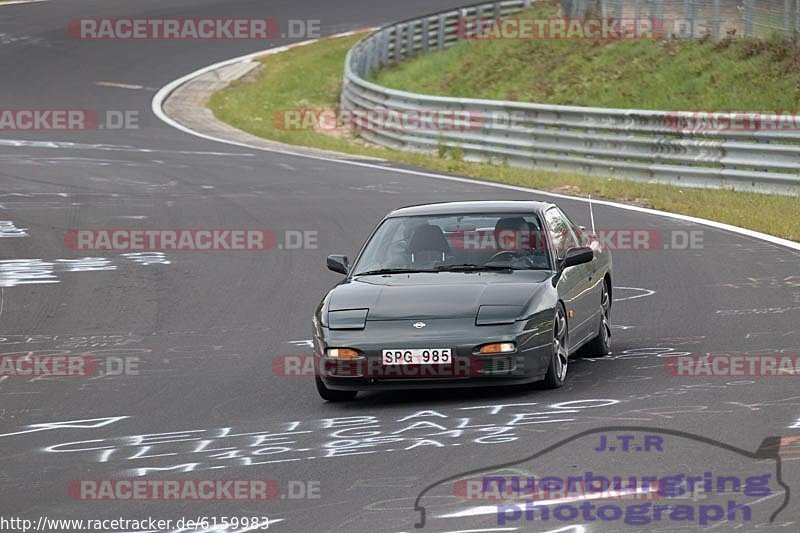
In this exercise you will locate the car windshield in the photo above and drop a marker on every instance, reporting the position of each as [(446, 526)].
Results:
[(457, 243)]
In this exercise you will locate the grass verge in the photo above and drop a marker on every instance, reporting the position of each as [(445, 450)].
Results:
[(311, 77), (747, 74)]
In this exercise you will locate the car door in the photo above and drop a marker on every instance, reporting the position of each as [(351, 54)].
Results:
[(595, 272), (574, 285)]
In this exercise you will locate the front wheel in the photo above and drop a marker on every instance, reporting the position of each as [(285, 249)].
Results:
[(557, 371), (334, 395)]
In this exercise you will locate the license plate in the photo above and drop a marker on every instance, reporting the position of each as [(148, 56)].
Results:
[(418, 356)]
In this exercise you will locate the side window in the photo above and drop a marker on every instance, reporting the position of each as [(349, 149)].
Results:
[(581, 236), (560, 231)]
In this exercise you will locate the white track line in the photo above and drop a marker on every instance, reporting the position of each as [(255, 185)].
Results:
[(14, 2), (164, 92)]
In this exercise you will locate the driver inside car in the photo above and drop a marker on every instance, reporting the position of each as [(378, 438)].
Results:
[(515, 242)]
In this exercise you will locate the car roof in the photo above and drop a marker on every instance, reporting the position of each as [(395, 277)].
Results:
[(474, 207)]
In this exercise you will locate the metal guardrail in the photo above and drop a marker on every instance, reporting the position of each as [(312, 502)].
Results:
[(630, 143)]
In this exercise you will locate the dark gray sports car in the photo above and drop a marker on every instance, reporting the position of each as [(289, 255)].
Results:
[(463, 294)]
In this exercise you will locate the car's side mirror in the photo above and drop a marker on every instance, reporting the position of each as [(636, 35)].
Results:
[(338, 263), (578, 256)]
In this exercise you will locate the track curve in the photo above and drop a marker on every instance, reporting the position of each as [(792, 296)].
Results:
[(206, 326)]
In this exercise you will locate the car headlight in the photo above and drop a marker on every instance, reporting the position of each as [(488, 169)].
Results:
[(490, 315), (348, 319)]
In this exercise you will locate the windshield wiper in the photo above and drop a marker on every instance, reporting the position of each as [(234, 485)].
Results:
[(470, 268), (380, 271)]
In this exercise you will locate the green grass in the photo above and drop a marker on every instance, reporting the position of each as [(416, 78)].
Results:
[(739, 74), (311, 77)]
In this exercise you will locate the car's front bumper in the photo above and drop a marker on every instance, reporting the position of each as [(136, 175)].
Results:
[(527, 364)]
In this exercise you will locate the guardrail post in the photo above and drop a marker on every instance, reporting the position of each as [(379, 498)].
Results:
[(359, 64), (370, 58), (398, 43), (787, 17), (688, 16), (715, 22), (748, 17), (440, 33), (426, 26), (467, 28), (412, 27), (685, 11), (376, 55), (498, 10), (797, 18), (618, 9), (384, 48)]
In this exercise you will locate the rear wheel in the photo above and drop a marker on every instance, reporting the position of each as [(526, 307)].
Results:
[(557, 371), (601, 344), (334, 395)]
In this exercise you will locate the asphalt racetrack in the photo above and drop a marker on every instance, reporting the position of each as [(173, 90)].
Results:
[(208, 401)]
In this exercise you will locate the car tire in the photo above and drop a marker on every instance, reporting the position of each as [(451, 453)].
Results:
[(334, 395), (557, 369), (601, 344)]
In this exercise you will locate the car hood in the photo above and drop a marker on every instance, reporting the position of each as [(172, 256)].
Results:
[(440, 295)]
